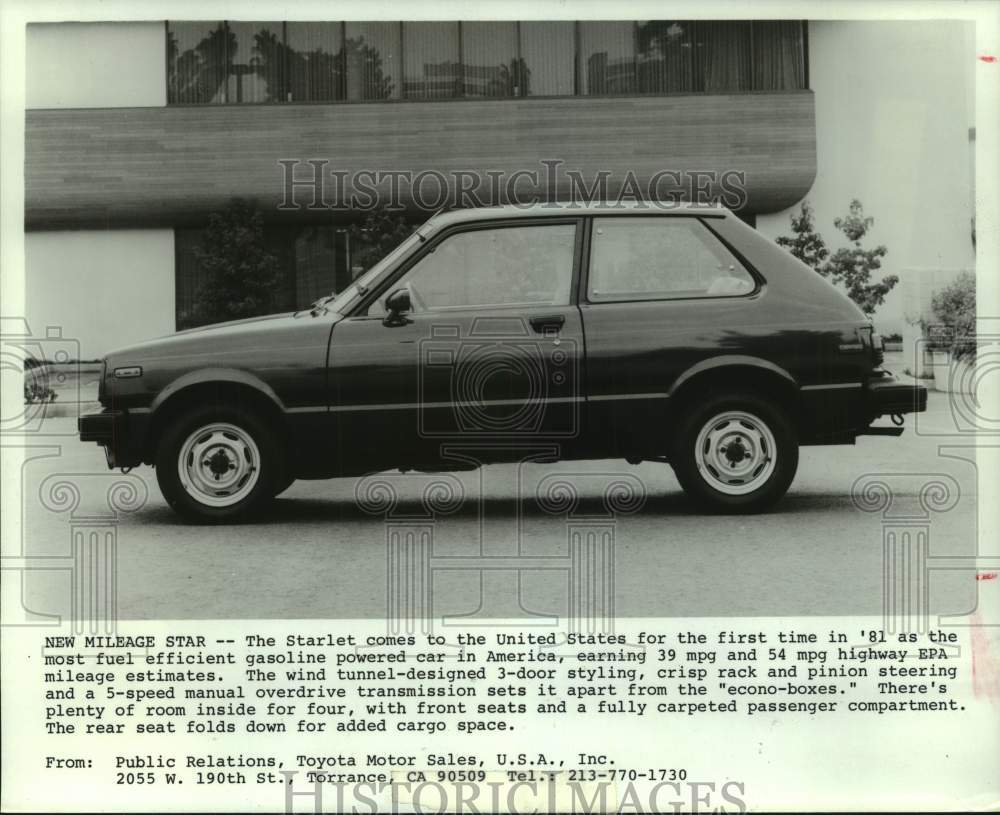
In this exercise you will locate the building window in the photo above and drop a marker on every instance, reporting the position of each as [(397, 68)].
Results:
[(314, 259), (778, 56), (723, 56), (491, 64), (196, 63), (373, 62), (665, 61), (314, 53), (607, 58), (243, 62), (432, 67), (548, 51), (256, 63)]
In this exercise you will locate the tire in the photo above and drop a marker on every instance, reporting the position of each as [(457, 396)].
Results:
[(218, 464), (736, 453)]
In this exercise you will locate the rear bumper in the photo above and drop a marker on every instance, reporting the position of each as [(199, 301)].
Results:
[(121, 434), (887, 396)]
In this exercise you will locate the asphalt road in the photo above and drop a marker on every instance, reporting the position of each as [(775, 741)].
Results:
[(320, 555)]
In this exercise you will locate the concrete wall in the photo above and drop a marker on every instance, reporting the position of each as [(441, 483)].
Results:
[(893, 112), (103, 288), (96, 65)]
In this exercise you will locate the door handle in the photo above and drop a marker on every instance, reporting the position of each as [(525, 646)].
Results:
[(551, 322)]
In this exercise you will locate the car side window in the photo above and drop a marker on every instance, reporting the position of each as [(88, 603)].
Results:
[(661, 258), (502, 266)]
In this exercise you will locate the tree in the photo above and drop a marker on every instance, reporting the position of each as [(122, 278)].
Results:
[(198, 74), (806, 244), (851, 266), (241, 276), (376, 236)]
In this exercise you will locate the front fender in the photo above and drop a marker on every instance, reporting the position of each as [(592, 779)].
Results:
[(204, 376)]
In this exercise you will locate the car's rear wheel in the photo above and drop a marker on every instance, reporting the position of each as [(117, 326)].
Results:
[(736, 453), (218, 465)]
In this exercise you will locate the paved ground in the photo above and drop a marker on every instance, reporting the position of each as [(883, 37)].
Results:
[(319, 555)]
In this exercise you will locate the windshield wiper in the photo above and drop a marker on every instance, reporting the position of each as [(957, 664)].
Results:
[(320, 304)]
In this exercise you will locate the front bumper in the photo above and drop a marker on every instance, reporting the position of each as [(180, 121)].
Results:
[(887, 396), (121, 433)]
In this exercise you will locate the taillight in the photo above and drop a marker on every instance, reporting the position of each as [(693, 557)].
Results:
[(878, 349), (100, 382), (873, 343)]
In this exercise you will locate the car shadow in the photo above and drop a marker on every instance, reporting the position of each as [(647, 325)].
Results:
[(666, 504)]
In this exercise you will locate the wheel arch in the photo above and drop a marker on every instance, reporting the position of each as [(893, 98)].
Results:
[(222, 386), (738, 373)]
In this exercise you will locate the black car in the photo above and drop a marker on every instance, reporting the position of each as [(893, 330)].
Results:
[(547, 333)]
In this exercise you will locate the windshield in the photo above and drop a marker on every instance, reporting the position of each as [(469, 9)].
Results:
[(341, 302)]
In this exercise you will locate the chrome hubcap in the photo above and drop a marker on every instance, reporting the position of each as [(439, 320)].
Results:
[(219, 464), (735, 452)]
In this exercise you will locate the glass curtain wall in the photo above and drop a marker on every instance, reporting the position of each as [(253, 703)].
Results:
[(271, 62)]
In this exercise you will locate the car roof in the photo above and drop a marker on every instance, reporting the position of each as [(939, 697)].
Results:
[(561, 209)]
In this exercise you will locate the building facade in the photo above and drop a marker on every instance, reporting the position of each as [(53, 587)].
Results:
[(137, 132)]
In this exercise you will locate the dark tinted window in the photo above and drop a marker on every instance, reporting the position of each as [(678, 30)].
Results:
[(315, 62), (548, 49), (779, 56), (607, 57), (235, 62), (722, 52), (196, 62), (665, 56), (256, 65), (431, 63), (490, 64), (372, 61)]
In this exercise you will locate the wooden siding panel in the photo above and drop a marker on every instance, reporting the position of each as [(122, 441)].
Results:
[(173, 165)]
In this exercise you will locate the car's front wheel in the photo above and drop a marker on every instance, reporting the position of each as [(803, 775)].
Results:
[(736, 453), (218, 465)]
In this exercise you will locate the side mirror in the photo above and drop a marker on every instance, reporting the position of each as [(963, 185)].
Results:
[(397, 304)]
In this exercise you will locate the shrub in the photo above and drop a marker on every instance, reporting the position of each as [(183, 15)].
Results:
[(954, 324), (241, 276), (37, 393)]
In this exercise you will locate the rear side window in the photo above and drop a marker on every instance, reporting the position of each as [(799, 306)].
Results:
[(661, 258)]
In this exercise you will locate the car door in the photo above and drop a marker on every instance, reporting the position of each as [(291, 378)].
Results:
[(661, 294), (490, 350)]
